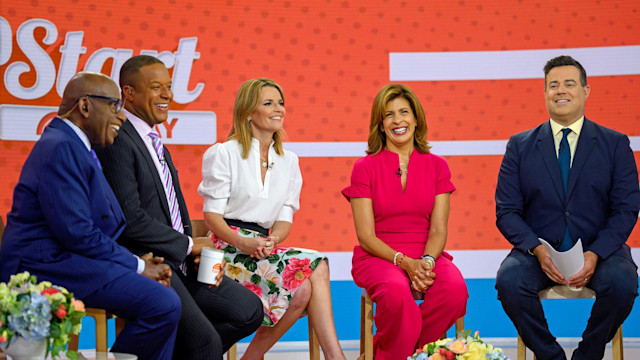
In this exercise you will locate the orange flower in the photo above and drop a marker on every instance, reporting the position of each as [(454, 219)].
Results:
[(458, 347), (77, 305)]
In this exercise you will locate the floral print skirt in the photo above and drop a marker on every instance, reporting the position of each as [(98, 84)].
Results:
[(274, 278)]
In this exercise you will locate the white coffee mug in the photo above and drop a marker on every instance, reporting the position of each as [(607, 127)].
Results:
[(210, 265)]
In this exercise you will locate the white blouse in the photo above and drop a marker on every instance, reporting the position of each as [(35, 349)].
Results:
[(232, 186)]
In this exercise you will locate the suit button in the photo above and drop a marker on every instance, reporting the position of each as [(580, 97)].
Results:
[(105, 217), (566, 213)]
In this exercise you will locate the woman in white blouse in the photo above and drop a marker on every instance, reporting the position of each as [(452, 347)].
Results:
[(251, 188)]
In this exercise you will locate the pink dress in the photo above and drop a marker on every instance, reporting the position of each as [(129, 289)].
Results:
[(402, 221)]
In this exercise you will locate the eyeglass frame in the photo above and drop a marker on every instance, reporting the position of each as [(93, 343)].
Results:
[(119, 102)]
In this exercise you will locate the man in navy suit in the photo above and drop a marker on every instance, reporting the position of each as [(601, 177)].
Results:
[(145, 181), (65, 220), (565, 180)]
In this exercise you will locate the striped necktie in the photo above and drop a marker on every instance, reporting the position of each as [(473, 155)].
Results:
[(167, 181), (564, 161)]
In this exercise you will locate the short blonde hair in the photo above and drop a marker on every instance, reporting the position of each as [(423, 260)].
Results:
[(377, 138), (245, 104)]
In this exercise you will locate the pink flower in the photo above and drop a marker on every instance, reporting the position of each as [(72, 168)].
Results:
[(269, 272), (450, 355), (3, 337), (49, 291), (277, 306), (295, 273), (77, 305), (253, 287), (61, 312)]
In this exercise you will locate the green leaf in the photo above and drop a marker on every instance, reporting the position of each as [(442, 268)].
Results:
[(273, 259), (72, 355), (251, 266), (230, 249), (280, 266), (293, 252), (241, 258), (256, 279), (314, 263), (273, 288)]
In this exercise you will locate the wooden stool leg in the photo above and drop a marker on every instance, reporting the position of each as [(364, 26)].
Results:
[(314, 344), (101, 331), (368, 328), (232, 353), (362, 324), (460, 325), (73, 343), (618, 348), (120, 323), (522, 350)]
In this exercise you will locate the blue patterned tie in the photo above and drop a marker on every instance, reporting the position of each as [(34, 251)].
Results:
[(564, 160)]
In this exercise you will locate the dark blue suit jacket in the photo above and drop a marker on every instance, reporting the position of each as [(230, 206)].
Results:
[(602, 202), (65, 219)]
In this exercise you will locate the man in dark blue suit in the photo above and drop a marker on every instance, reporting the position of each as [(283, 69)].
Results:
[(65, 220), (565, 180)]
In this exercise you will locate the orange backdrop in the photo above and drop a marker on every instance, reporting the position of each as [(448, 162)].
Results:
[(331, 57)]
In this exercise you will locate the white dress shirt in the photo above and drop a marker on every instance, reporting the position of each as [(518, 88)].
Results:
[(232, 186)]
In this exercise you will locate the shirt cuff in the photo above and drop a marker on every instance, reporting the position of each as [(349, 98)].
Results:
[(190, 245), (286, 214), (140, 268), (214, 205)]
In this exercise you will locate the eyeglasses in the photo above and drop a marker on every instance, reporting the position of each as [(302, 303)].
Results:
[(117, 103)]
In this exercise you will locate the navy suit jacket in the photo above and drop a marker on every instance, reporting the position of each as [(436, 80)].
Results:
[(65, 219), (602, 202), (130, 170)]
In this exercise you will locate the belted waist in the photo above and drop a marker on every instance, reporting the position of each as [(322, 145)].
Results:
[(247, 225)]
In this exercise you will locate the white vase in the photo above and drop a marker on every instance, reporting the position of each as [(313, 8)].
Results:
[(22, 349)]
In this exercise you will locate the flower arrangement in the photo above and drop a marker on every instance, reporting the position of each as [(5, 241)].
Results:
[(39, 311), (464, 347)]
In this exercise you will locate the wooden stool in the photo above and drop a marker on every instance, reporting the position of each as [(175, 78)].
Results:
[(366, 325), (564, 292), (100, 316)]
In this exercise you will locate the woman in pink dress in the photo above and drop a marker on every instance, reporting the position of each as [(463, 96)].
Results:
[(399, 196)]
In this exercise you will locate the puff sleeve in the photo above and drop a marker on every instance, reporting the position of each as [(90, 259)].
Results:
[(360, 181)]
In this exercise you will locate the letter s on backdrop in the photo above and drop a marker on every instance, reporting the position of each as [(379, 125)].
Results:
[(42, 63)]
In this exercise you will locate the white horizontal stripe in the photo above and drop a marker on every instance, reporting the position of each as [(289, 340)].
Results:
[(474, 264), (443, 148), (508, 64)]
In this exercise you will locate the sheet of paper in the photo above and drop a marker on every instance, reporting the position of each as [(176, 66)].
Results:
[(568, 262)]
